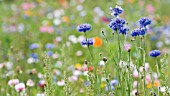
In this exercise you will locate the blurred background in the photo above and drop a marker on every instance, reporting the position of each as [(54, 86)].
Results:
[(31, 28)]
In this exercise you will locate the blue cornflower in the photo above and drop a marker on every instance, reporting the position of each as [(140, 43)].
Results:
[(49, 53), (107, 88), (114, 82), (154, 53), (116, 11), (49, 46), (117, 24), (142, 31), (34, 55), (88, 42), (33, 46), (87, 83), (123, 30), (84, 42), (135, 32), (83, 27), (144, 21)]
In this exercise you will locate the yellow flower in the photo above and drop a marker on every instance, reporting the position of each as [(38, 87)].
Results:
[(39, 1), (28, 13), (103, 85), (78, 66)]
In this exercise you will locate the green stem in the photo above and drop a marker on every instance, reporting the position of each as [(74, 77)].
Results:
[(129, 80), (157, 67), (88, 48)]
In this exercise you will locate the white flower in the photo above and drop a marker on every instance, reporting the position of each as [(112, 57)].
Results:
[(30, 60), (163, 89), (79, 53), (61, 83), (30, 83), (77, 72), (101, 63)]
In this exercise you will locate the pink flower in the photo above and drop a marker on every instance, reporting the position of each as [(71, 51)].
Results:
[(141, 3), (47, 29), (135, 73), (127, 46), (135, 83), (20, 87), (26, 6), (150, 8), (73, 78), (148, 78), (13, 82)]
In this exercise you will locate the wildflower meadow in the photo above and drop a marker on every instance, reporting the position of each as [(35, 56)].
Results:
[(84, 48)]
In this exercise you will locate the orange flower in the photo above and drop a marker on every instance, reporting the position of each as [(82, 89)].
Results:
[(97, 42), (131, 1), (28, 13), (156, 83), (65, 19), (64, 3), (39, 1), (149, 85)]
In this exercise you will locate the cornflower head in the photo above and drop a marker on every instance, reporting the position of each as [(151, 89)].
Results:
[(135, 32), (123, 30), (34, 46), (34, 55), (117, 23), (154, 53), (83, 27), (49, 46), (49, 53), (142, 31), (116, 11), (138, 32), (144, 21), (114, 82), (87, 42)]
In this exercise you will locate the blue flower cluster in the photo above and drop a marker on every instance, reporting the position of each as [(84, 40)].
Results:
[(144, 21), (138, 32), (154, 53), (83, 27), (87, 42), (116, 11), (141, 31), (117, 24), (49, 46)]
